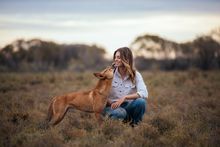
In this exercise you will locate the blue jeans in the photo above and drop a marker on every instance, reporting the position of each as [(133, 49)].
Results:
[(128, 111)]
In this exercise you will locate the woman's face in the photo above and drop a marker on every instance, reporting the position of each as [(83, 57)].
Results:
[(118, 61)]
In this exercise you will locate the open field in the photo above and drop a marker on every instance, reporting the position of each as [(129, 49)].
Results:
[(183, 110)]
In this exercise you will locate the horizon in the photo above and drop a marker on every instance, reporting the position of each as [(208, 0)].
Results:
[(106, 24)]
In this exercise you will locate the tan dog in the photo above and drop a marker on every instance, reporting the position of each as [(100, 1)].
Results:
[(88, 101)]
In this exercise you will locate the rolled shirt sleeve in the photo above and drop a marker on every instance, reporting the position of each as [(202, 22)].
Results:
[(141, 87)]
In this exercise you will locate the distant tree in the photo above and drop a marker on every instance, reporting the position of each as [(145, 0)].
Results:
[(208, 52), (7, 57)]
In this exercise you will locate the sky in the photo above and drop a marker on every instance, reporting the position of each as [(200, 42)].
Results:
[(107, 23)]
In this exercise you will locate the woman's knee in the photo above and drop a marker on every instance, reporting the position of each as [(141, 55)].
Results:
[(118, 113), (140, 102)]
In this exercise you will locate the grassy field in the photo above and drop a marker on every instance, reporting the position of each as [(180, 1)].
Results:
[(183, 110)]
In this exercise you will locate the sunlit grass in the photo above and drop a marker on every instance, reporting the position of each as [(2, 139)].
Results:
[(183, 110)]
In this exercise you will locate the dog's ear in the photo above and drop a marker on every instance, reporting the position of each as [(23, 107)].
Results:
[(99, 75)]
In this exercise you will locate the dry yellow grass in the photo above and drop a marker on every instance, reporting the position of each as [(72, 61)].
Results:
[(183, 110)]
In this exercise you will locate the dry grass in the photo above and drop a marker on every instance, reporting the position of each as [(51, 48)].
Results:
[(183, 110)]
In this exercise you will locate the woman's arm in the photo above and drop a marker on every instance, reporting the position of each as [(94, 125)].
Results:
[(121, 100), (141, 87), (131, 96)]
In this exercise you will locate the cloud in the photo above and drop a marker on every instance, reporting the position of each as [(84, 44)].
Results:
[(109, 23)]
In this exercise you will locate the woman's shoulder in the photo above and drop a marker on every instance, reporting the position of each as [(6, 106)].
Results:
[(137, 73)]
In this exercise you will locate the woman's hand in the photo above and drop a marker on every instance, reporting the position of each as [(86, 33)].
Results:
[(118, 103)]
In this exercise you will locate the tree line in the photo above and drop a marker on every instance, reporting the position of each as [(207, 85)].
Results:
[(38, 55), (202, 53)]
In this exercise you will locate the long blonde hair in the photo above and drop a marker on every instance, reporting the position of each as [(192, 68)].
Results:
[(127, 60)]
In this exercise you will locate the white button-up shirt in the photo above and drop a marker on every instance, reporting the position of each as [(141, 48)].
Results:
[(124, 87)]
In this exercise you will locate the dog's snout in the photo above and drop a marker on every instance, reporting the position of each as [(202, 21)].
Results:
[(113, 66)]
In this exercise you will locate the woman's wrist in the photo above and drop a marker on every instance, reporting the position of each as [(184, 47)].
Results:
[(125, 97)]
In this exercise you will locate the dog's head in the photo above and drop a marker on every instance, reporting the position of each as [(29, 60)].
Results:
[(105, 74)]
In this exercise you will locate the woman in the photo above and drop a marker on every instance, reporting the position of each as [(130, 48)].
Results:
[(127, 99)]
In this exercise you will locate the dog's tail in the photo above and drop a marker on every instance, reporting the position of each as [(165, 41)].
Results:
[(50, 112)]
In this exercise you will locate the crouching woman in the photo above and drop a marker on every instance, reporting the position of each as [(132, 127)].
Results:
[(127, 98)]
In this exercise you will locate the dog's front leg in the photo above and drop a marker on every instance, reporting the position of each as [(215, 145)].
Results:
[(99, 118)]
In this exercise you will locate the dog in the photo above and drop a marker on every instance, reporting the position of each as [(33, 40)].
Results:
[(93, 100)]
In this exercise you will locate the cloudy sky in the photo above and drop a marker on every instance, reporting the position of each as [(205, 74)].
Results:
[(108, 23)]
